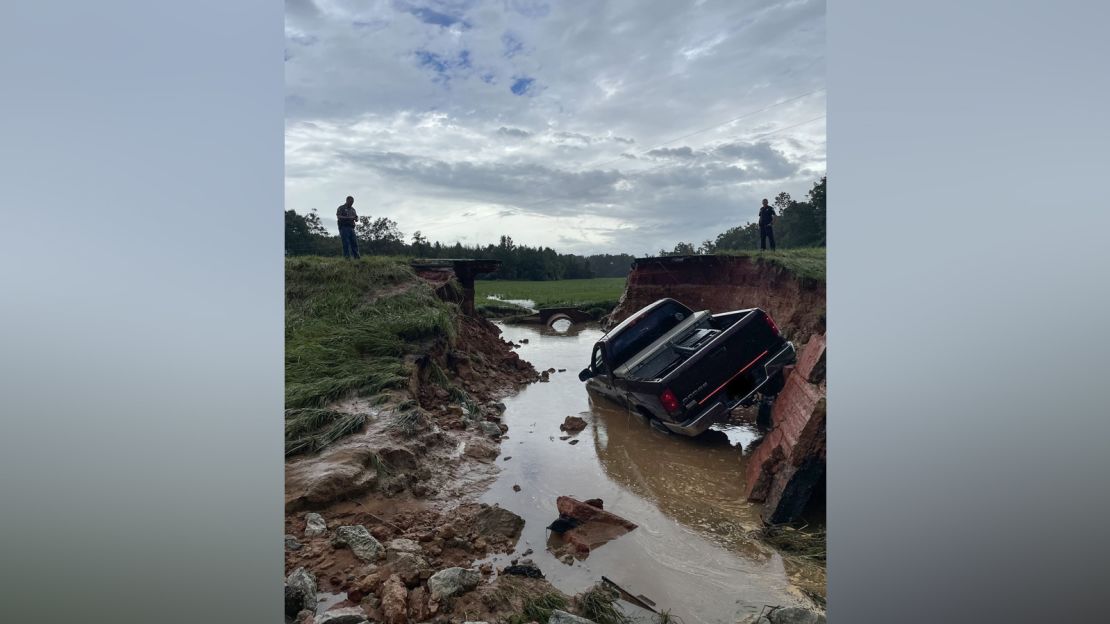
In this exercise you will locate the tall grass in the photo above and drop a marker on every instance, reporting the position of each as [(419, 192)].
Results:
[(348, 326)]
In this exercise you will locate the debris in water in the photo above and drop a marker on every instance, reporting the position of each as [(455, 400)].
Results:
[(573, 442), (586, 526), (516, 488), (572, 424)]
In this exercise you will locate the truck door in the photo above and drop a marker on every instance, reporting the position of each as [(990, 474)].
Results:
[(600, 369)]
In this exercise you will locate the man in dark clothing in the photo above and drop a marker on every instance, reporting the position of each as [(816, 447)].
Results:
[(766, 230), (347, 220)]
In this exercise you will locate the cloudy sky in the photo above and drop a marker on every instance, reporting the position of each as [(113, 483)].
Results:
[(587, 126)]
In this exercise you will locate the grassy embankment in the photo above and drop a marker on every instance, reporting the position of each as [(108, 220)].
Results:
[(598, 295), (805, 262), (348, 326)]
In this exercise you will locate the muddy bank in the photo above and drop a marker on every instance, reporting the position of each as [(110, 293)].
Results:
[(721, 283)]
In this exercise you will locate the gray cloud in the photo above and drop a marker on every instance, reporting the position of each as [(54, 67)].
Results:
[(524, 113)]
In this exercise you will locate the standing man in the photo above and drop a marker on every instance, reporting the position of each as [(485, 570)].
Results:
[(347, 219), (766, 230)]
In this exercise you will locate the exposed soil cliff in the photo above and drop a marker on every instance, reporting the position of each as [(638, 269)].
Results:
[(722, 283)]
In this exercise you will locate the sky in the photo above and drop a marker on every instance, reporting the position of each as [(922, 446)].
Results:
[(585, 126)]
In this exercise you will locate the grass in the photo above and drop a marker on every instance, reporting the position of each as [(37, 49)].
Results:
[(599, 292), (598, 603), (805, 262), (797, 542), (348, 326)]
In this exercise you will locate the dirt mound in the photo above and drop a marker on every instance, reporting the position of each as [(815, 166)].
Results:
[(722, 283)]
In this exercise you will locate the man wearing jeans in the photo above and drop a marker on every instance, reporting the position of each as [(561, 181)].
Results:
[(347, 219), (766, 231)]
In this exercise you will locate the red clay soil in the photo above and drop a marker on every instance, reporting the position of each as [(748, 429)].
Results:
[(723, 283)]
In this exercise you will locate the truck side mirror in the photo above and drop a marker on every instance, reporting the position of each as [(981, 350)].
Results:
[(585, 374)]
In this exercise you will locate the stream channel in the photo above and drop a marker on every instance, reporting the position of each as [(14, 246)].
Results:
[(692, 554)]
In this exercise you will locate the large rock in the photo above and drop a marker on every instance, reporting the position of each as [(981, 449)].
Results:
[(490, 429), (452, 582), (394, 598), (498, 522), (359, 540), (409, 567), (300, 592), (590, 526), (345, 615), (314, 525), (562, 617)]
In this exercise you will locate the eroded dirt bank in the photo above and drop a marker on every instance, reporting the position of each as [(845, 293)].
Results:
[(721, 283)]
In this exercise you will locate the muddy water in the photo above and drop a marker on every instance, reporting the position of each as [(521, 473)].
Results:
[(690, 553)]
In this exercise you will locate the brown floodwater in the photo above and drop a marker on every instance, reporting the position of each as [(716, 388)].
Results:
[(691, 554)]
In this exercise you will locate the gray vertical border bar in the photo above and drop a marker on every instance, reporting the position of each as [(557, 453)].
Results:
[(968, 301), (141, 314)]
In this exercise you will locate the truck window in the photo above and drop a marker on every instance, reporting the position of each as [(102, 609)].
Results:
[(644, 331)]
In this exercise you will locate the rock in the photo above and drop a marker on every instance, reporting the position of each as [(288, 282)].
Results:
[(359, 540), (545, 376), (498, 522), (573, 442), (346, 615), (516, 488), (523, 341), (300, 592), (795, 615), (305, 617), (562, 617), (403, 545), (562, 370), (550, 371), (481, 450), (418, 604), (409, 567), (452, 582), (291, 543), (395, 601), (527, 569), (499, 406), (490, 429), (573, 423), (314, 525)]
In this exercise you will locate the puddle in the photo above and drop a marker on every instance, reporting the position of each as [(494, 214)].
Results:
[(690, 554), (524, 303)]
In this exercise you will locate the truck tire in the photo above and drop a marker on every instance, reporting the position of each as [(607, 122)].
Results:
[(763, 415)]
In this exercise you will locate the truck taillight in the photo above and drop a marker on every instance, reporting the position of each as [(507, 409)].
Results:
[(771, 323), (669, 401)]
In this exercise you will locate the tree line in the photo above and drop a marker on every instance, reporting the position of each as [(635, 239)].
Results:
[(306, 235), (798, 224)]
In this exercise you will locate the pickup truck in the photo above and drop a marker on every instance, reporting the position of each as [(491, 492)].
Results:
[(686, 370)]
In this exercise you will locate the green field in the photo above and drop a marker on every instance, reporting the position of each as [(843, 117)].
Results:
[(600, 292)]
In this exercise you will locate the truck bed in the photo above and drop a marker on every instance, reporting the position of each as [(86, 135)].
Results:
[(673, 348)]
